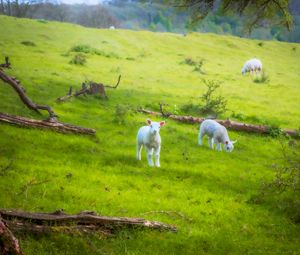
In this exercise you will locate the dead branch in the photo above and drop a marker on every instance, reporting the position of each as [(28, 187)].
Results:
[(164, 114), (9, 244), (233, 125), (86, 220), (21, 92), (45, 124), (114, 87), (6, 64), (90, 88)]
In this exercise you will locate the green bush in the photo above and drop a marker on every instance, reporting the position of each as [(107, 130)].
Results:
[(28, 43), (275, 131), (83, 48), (210, 104)]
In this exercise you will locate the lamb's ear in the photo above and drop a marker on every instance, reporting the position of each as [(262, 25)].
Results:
[(162, 123), (233, 142), (149, 121)]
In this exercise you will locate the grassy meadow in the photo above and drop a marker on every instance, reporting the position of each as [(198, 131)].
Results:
[(212, 190)]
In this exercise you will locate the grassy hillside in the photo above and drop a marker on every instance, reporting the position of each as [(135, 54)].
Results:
[(211, 189)]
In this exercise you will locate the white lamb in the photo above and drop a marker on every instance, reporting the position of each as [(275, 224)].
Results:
[(216, 134), (149, 137), (252, 65)]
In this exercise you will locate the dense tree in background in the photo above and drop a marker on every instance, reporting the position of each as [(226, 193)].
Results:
[(248, 18), (257, 12)]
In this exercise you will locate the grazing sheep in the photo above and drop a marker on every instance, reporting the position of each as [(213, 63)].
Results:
[(149, 137), (112, 28), (252, 65), (216, 134)]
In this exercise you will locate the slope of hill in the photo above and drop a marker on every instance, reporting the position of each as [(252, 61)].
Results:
[(211, 189)]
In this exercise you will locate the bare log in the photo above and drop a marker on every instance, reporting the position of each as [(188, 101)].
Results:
[(9, 244), (87, 219), (233, 125), (21, 92), (48, 124)]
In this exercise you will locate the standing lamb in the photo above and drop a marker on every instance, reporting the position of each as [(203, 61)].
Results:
[(252, 65), (216, 134), (149, 137)]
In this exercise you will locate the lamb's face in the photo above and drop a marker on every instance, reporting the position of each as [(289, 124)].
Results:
[(243, 71), (155, 126), (228, 146)]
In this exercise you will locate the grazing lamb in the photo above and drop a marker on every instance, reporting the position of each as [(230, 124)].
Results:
[(216, 134), (252, 65), (112, 28), (149, 137)]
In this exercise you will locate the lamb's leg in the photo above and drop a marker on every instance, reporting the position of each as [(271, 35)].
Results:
[(219, 148), (211, 142), (200, 137), (157, 155), (149, 156), (139, 147)]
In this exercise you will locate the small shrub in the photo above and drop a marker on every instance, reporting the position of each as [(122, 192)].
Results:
[(213, 104), (121, 113), (285, 187), (260, 44), (263, 78), (197, 64), (275, 131), (28, 43), (209, 104), (78, 59)]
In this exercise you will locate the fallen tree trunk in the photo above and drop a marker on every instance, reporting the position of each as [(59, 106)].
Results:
[(48, 124), (233, 125), (16, 85), (82, 221), (9, 244)]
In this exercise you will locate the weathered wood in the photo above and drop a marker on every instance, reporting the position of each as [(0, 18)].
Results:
[(90, 88), (86, 218), (9, 244), (15, 84), (117, 84), (233, 125), (6, 64), (45, 124)]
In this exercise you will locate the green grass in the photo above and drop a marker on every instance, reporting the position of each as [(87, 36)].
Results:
[(211, 189)]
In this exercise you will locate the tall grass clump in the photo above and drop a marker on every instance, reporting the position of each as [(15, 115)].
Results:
[(78, 59)]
